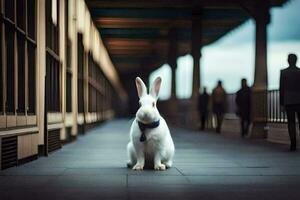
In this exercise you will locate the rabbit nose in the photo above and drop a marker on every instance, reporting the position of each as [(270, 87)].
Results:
[(147, 114)]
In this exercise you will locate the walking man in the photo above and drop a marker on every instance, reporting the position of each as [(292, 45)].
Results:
[(219, 104), (243, 102), (290, 96), (203, 107)]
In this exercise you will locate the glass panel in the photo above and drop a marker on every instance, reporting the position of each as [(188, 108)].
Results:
[(69, 93), (80, 56), (68, 61), (48, 24), (90, 98), (21, 74), (51, 28), (10, 97), (31, 77), (1, 74), (53, 84), (52, 64), (47, 92), (57, 86), (31, 18), (68, 54), (94, 99), (97, 101), (80, 74), (21, 15), (80, 96), (10, 9), (55, 40)]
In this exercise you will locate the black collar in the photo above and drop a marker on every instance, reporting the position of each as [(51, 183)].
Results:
[(143, 127)]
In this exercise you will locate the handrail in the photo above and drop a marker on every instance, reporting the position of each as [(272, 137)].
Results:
[(274, 112)]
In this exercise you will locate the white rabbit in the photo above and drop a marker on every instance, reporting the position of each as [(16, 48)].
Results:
[(150, 139)]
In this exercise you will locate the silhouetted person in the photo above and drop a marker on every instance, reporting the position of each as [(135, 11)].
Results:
[(203, 107), (290, 96), (243, 102), (219, 104)]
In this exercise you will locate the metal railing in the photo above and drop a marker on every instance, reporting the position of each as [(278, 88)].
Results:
[(271, 112), (275, 113)]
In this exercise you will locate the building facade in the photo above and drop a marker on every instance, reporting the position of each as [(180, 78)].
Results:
[(56, 78)]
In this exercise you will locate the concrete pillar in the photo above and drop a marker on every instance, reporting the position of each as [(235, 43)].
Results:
[(196, 50), (41, 72), (260, 86), (62, 55), (172, 59), (193, 119), (74, 64)]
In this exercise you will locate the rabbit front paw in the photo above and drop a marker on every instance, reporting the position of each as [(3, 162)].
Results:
[(160, 167), (138, 167)]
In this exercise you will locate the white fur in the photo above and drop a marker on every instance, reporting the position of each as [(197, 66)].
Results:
[(159, 147)]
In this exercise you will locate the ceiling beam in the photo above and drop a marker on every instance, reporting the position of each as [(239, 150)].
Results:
[(169, 14), (173, 3), (140, 23), (110, 22), (158, 3), (183, 34)]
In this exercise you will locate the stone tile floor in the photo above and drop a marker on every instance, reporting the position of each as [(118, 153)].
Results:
[(206, 166)]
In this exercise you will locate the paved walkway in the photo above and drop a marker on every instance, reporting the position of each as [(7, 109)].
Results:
[(207, 166)]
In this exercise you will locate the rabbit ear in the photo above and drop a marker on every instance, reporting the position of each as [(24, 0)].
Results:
[(141, 87), (155, 87)]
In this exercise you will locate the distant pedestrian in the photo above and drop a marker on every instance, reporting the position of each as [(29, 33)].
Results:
[(219, 104), (243, 102), (290, 96), (203, 107)]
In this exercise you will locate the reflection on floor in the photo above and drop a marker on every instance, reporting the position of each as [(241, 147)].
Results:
[(207, 166)]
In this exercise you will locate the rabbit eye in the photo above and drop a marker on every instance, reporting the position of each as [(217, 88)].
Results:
[(153, 104)]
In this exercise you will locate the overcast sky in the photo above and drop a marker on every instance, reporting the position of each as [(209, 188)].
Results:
[(232, 57)]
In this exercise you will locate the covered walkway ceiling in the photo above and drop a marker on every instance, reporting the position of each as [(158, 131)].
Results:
[(135, 32)]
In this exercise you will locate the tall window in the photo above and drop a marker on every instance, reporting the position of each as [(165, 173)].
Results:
[(102, 97), (21, 73), (31, 18), (80, 74), (68, 62), (92, 84), (69, 92), (31, 49), (1, 68), (21, 14), (98, 95), (19, 23), (53, 66), (10, 10), (99, 91), (31, 46), (10, 68), (109, 90)]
